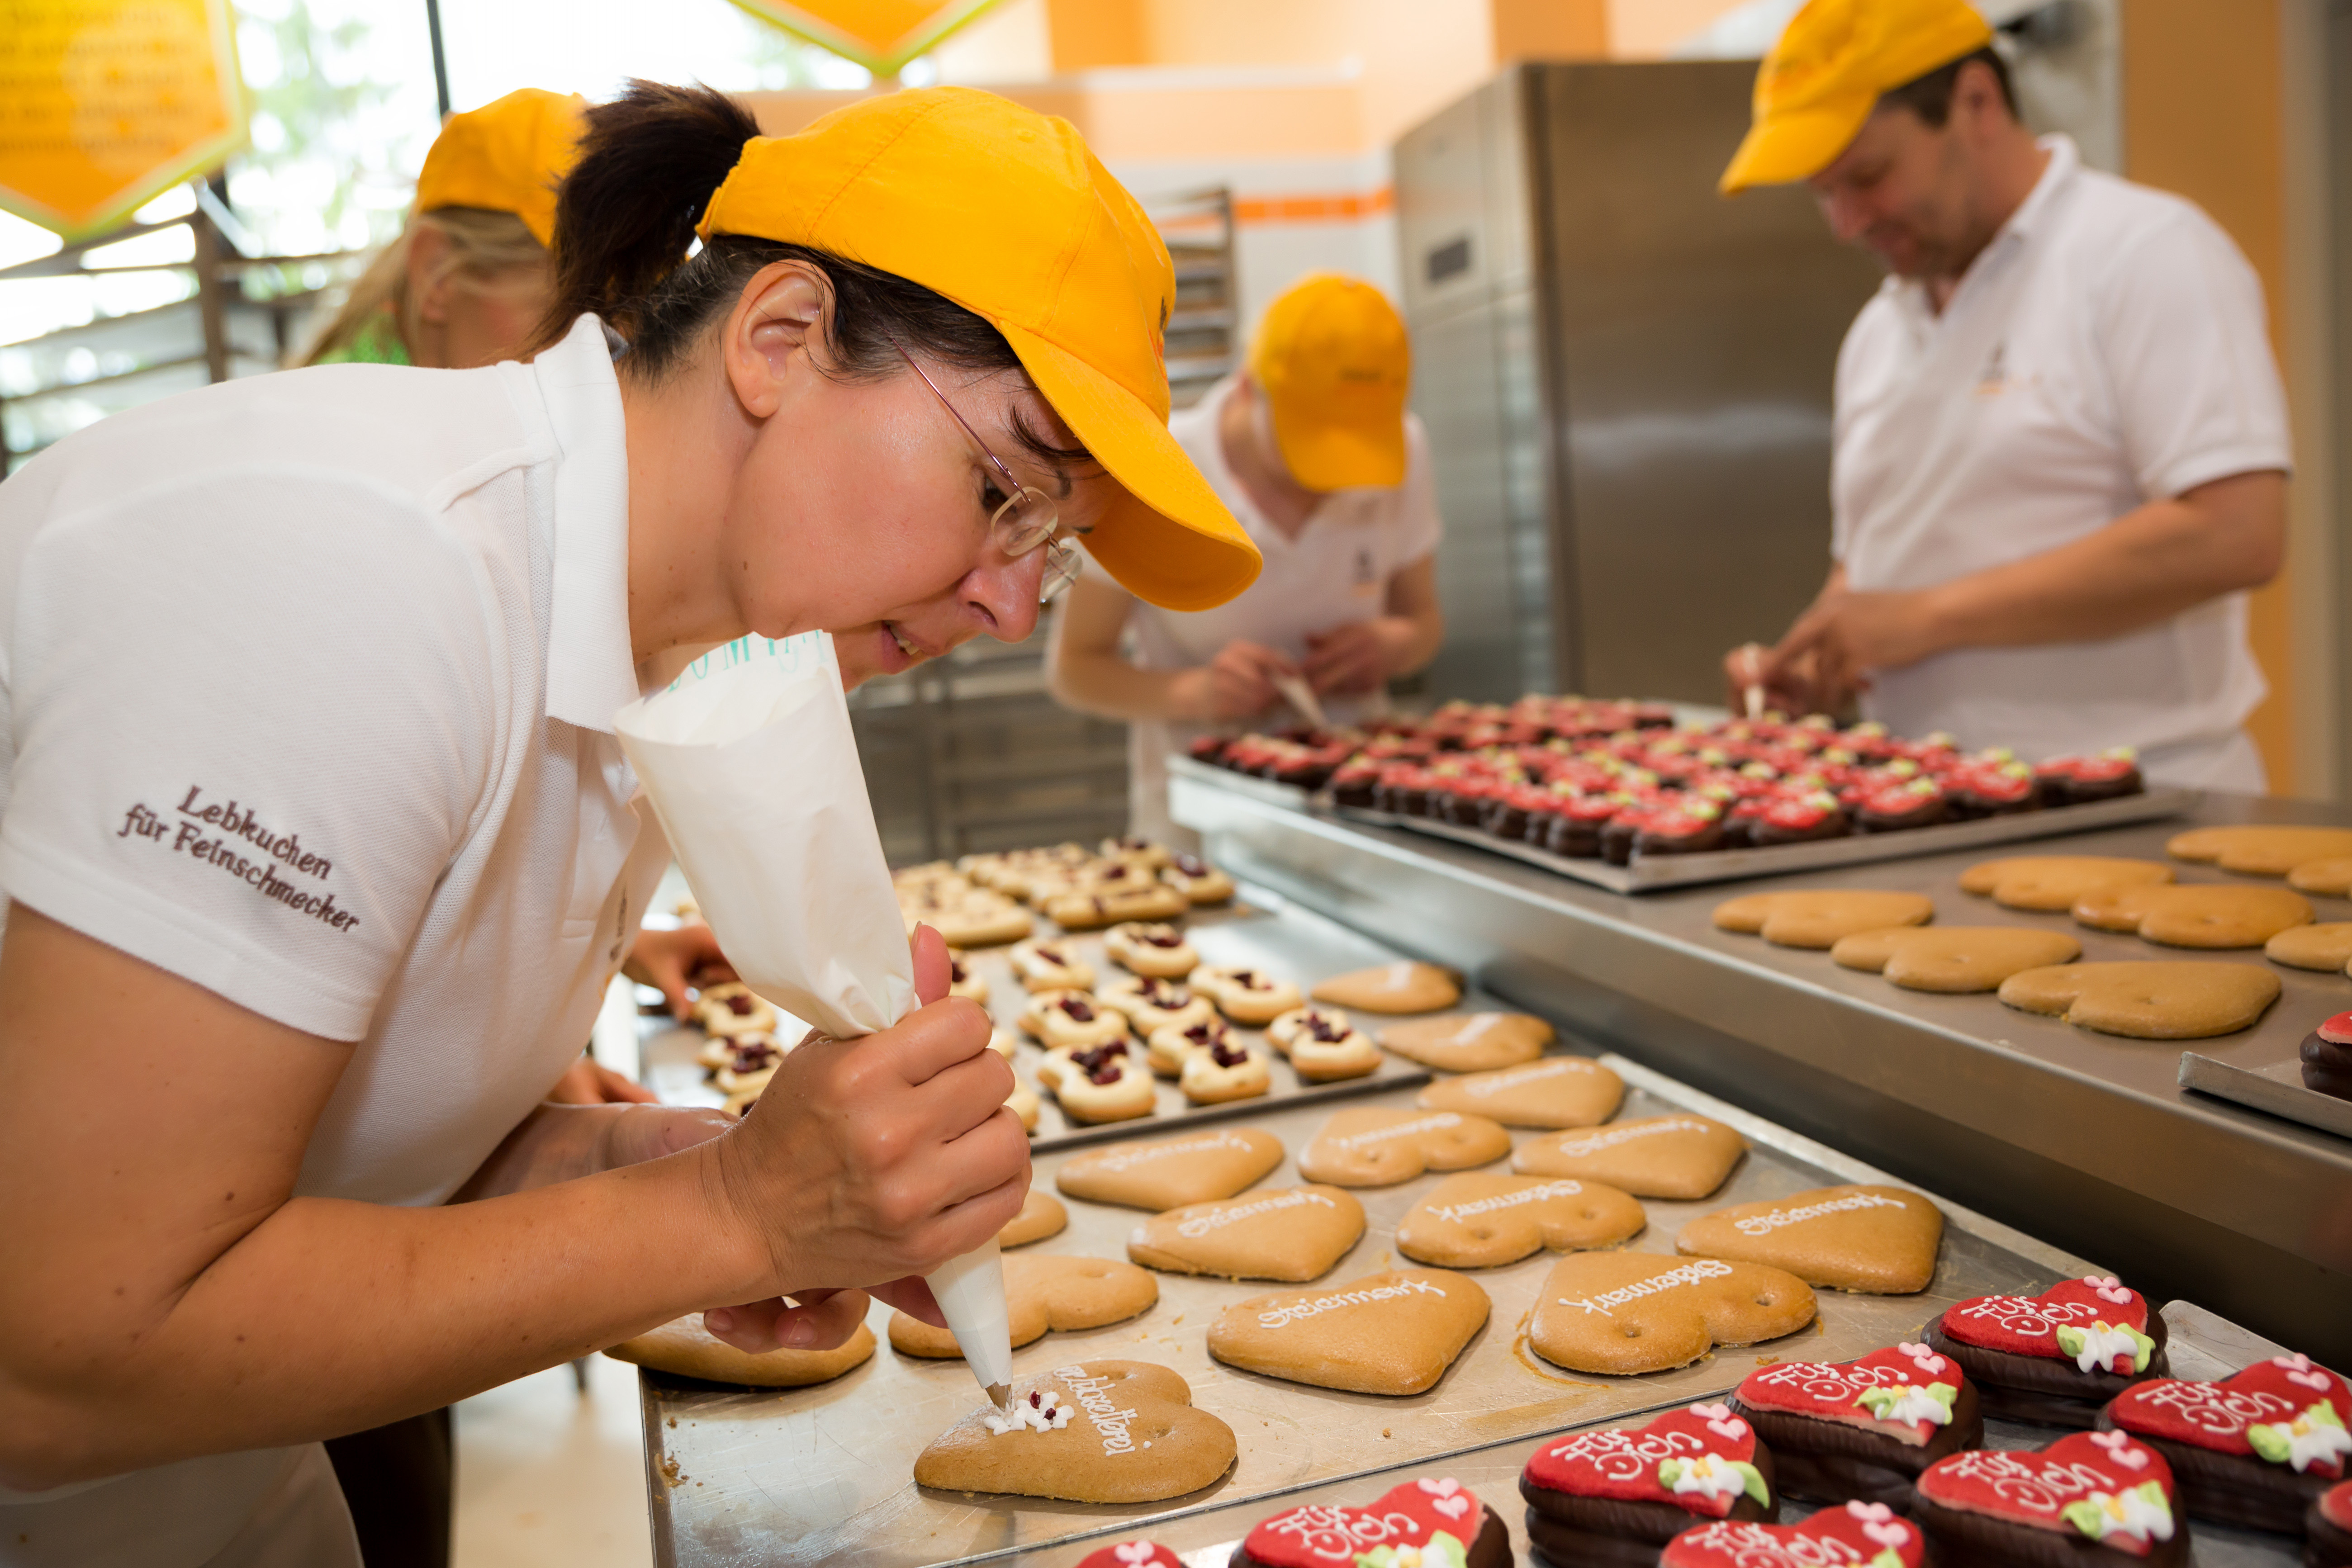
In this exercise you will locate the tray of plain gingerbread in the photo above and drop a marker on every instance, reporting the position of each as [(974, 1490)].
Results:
[(1650, 873), (824, 1474)]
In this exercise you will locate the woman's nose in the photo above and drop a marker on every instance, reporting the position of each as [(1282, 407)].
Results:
[(1003, 595)]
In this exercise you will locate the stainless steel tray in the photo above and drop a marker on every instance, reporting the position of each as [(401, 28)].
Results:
[(1647, 875), (1246, 932), (2277, 1089), (824, 1474)]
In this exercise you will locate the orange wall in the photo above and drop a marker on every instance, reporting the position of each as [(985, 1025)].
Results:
[(2202, 94)]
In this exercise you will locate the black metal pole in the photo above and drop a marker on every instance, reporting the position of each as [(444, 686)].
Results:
[(440, 56)]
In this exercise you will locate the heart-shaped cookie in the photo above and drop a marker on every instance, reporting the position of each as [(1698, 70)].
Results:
[(1393, 1332), (1372, 1147), (2325, 946), (1636, 1312), (1043, 1292), (1131, 1554), (1906, 1391), (2093, 1489), (1294, 1234), (1131, 1433), (1853, 1533), (1685, 1155), (1470, 1042), (2257, 851), (688, 1350), (2255, 1450), (2331, 877), (2031, 1325), (1402, 1527), (1879, 1241), (2203, 916), (1818, 917), (1042, 1214), (1479, 1221), (1702, 1460), (2055, 881), (1558, 1092), (1954, 959), (2176, 1000), (1173, 1171), (1402, 987)]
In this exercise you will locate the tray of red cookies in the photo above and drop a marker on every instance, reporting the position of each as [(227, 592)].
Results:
[(1522, 1238), (1619, 794)]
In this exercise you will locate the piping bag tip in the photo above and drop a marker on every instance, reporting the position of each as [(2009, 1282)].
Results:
[(1001, 1392)]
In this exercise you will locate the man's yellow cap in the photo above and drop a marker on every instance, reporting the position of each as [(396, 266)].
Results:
[(1333, 359), (1006, 212), (1821, 80), (507, 156)]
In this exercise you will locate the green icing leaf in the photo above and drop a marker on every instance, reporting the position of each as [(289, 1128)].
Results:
[(2084, 1517), (1669, 1473), (1443, 1551), (2070, 1340), (1887, 1558), (2273, 1443), (1753, 1480)]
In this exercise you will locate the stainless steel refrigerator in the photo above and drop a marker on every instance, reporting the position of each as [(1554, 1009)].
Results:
[(1625, 379)]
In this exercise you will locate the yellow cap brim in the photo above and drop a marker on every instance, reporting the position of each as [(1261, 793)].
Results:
[(1168, 540), (1324, 454), (1797, 144)]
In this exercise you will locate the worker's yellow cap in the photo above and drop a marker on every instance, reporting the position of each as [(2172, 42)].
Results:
[(507, 156), (1821, 80), (1333, 359), (1005, 212)]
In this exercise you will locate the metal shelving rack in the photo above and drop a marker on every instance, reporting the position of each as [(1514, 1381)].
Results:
[(970, 752)]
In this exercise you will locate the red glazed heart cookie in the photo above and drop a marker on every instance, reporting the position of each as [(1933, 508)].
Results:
[(1133, 1554), (2253, 1450), (1907, 1392), (1856, 1533), (1408, 1520), (2096, 1322), (1702, 1460), (2104, 1489)]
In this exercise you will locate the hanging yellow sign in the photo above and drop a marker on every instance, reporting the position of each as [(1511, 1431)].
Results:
[(104, 104), (880, 34)]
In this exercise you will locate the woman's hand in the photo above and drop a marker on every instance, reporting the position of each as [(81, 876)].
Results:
[(590, 1082), (1236, 684), (867, 1163), (669, 960)]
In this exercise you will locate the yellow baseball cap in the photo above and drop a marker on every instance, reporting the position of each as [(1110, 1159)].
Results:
[(1333, 359), (1821, 80), (1005, 212), (507, 156)]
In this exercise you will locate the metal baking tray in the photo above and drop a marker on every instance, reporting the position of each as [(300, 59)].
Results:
[(825, 1473), (2277, 1089), (1246, 932), (1647, 875)]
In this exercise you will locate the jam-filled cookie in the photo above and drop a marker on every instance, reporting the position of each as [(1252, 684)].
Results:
[(748, 1063), (1090, 911), (1248, 996), (1072, 1020), (1103, 1083), (1147, 948), (1044, 965), (1200, 882), (734, 1009), (1137, 851), (1154, 1004), (964, 980), (1167, 1048), (1223, 1071)]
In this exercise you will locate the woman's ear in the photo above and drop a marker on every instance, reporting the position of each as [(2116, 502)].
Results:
[(783, 321), (429, 273)]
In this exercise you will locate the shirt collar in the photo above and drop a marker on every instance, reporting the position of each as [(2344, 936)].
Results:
[(590, 674), (2057, 179)]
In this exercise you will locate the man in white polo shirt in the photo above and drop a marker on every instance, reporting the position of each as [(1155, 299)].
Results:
[(2060, 443)]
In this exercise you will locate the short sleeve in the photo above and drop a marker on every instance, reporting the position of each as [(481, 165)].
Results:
[(251, 718), (1419, 525), (2184, 336)]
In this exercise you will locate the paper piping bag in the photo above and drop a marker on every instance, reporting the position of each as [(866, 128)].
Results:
[(753, 770)]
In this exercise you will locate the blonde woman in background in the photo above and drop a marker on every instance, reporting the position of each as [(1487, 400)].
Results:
[(473, 269)]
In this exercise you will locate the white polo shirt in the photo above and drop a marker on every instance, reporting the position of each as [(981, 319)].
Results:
[(307, 696), (1334, 574), (2107, 349)]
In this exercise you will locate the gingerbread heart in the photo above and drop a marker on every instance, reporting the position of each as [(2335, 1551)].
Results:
[(1394, 1333), (1558, 1092), (1042, 1214), (1701, 1459), (1877, 1241), (2106, 1487), (1680, 1156), (2289, 1410), (1372, 1147), (1292, 1234), (1408, 1518), (1858, 1532), (1104, 1431), (1470, 1042), (1173, 1171), (1042, 1293), (1636, 1312), (1402, 987), (2095, 1321), (1907, 1392), (1478, 1220)]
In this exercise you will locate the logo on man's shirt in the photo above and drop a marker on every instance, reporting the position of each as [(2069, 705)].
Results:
[(211, 831), (1366, 571)]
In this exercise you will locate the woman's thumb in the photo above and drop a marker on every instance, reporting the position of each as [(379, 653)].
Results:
[(932, 972)]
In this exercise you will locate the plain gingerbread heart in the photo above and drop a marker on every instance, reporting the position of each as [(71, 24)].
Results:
[(1477, 1220), (2332, 877), (1042, 1214), (2257, 851), (1294, 1235), (1171, 1171), (1556, 1092), (1682, 1156), (1406, 987), (2166, 1000), (1469, 1042), (2055, 881), (1333, 1536), (1635, 1311), (1042, 1293), (1953, 960), (1393, 1332), (2201, 916), (1818, 917), (2218, 1416), (688, 1350), (1136, 1438), (1622, 1462), (1372, 1147), (1856, 1533), (1875, 1240), (2036, 1487)]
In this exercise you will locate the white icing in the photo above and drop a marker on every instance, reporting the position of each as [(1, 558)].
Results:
[(1276, 1317), (1111, 1422), (1710, 1476), (2108, 1347), (1047, 1414), (1144, 1156), (2130, 1514), (1562, 1189), (1483, 1024), (1673, 1278), (1201, 1224), (1593, 1142), (1773, 1219), (1912, 1403), (1437, 1123), (1483, 1088)]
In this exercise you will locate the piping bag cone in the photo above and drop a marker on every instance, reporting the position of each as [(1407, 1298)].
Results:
[(753, 771)]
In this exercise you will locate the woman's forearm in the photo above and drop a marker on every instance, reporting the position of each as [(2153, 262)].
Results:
[(1106, 685)]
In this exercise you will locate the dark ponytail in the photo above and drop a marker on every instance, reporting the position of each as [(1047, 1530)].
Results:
[(624, 217)]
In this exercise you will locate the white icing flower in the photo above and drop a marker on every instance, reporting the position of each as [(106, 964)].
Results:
[(1710, 1476), (1044, 1412), (2143, 1511), (1908, 1403), (2107, 1347)]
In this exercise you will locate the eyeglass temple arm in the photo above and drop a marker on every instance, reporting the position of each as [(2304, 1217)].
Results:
[(1013, 486)]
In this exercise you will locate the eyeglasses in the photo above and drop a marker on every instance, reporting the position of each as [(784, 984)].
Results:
[(1028, 517)]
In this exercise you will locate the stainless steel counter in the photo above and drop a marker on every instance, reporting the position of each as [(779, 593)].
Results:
[(2084, 1140)]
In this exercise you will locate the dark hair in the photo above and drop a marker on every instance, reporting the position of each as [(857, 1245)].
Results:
[(625, 249), (1930, 97)]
